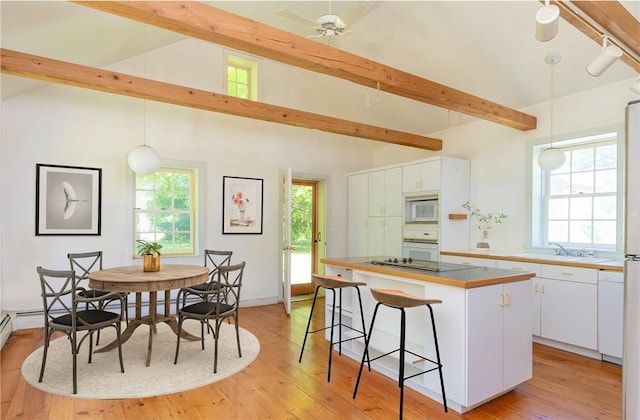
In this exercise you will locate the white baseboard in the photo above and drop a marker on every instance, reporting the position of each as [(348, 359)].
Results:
[(6, 327), (594, 354)]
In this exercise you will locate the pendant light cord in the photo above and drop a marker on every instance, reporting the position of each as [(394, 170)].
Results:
[(551, 104)]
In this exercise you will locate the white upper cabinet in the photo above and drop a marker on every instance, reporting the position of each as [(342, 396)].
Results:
[(424, 176), (385, 194)]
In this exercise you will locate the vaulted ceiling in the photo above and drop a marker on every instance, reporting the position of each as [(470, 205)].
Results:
[(484, 48)]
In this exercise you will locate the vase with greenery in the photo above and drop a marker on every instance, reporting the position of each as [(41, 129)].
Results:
[(150, 252), (485, 223)]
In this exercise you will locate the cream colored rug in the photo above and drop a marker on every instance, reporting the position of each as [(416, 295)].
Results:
[(102, 378)]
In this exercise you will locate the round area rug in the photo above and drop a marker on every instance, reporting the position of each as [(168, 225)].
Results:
[(102, 378)]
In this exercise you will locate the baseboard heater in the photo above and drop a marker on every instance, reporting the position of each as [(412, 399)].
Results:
[(6, 327)]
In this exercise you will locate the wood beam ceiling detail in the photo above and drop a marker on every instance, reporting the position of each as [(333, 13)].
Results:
[(204, 22), (45, 69)]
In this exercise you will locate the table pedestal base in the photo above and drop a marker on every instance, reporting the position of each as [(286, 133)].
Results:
[(151, 320)]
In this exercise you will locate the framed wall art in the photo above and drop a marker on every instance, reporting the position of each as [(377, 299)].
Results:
[(242, 205), (68, 200)]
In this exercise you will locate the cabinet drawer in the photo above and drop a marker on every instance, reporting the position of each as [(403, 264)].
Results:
[(612, 276), (577, 274), (480, 262), (520, 266)]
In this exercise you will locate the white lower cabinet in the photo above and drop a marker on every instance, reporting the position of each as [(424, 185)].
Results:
[(569, 305), (499, 349), (536, 284), (610, 313)]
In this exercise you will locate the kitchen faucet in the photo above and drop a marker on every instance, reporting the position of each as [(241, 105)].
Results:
[(562, 249)]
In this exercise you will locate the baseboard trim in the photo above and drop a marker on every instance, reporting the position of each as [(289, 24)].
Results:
[(594, 354), (6, 328)]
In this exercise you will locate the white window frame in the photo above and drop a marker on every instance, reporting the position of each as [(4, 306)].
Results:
[(536, 179), (247, 61), (198, 169)]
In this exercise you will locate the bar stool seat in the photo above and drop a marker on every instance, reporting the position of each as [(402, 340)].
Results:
[(399, 299), (334, 283)]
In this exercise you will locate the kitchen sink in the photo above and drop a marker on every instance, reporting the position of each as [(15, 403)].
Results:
[(567, 258)]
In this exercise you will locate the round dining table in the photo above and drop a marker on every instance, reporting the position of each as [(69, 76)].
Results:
[(134, 280)]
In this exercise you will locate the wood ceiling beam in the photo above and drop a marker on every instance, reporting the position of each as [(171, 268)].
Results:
[(49, 70), (204, 22), (605, 17)]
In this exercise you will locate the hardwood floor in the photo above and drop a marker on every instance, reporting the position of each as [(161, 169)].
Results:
[(276, 386)]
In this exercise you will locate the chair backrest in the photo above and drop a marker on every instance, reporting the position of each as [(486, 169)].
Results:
[(58, 293), (229, 279), (214, 259), (84, 263)]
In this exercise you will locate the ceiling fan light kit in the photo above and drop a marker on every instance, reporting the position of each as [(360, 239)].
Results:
[(547, 19)]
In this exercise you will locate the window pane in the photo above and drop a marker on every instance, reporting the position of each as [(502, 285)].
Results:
[(580, 231), (232, 88), (604, 207), (606, 157), (580, 208), (183, 222), (181, 201), (582, 182), (604, 232), (606, 181), (231, 73), (558, 231), (181, 182), (558, 184), (243, 76), (145, 199), (582, 160), (243, 92), (558, 208)]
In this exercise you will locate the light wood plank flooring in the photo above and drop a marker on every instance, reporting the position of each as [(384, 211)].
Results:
[(276, 386)]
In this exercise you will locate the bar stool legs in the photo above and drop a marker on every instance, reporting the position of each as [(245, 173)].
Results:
[(331, 283), (399, 300)]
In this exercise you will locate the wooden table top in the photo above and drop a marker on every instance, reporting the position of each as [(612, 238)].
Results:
[(133, 279)]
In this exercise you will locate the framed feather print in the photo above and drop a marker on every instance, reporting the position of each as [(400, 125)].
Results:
[(68, 200)]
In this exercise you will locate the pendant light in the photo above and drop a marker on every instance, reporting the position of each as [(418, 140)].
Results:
[(143, 160), (547, 19), (551, 158)]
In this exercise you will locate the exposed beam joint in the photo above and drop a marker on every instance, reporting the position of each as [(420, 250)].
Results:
[(204, 22), (45, 69)]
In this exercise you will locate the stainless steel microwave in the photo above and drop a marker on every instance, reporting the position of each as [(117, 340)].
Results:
[(421, 210)]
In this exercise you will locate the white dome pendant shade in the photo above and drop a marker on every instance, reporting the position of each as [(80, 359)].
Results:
[(547, 19), (551, 158), (143, 160)]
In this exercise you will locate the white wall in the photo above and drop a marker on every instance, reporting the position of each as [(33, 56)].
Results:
[(71, 126), (497, 153)]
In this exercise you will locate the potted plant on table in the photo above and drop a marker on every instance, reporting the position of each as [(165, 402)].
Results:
[(485, 223), (150, 252)]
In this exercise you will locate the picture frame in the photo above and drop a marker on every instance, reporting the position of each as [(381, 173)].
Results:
[(68, 200), (242, 205)]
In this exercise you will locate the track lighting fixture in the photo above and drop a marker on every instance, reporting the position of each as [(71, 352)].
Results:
[(547, 19), (607, 57)]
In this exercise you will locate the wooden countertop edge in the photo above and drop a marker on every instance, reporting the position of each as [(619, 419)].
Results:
[(598, 266), (465, 284)]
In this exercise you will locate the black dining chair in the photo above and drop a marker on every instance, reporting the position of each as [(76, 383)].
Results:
[(220, 302), (62, 299), (83, 263), (212, 260)]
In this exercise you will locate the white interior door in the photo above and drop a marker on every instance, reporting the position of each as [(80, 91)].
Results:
[(286, 240)]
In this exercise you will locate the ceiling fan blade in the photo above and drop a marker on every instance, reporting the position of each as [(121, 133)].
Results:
[(354, 12), (288, 14)]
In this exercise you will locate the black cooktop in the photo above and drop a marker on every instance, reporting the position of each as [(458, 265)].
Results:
[(424, 265)]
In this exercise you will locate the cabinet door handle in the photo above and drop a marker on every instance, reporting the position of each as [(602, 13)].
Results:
[(502, 295), (566, 273), (543, 286), (537, 287), (508, 295)]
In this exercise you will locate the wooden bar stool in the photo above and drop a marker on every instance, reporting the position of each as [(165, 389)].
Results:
[(400, 300), (332, 283)]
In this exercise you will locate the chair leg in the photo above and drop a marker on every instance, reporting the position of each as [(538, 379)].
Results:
[(91, 344), (47, 334), (313, 305), (118, 336), (364, 328), (235, 321), (75, 363), (365, 353), (435, 341), (333, 319), (401, 362), (180, 319), (215, 346)]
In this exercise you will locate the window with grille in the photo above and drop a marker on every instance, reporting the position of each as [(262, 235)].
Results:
[(165, 209), (242, 77)]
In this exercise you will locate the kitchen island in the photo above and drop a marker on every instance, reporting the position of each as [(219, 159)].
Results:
[(483, 325)]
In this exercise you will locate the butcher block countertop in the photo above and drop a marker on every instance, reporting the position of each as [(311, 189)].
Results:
[(465, 278), (584, 262)]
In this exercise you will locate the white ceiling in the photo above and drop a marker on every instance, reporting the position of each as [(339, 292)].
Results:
[(486, 48)]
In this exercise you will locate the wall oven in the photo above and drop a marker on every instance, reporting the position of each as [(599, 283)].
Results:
[(420, 243)]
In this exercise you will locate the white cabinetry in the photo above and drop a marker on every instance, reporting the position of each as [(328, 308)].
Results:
[(610, 313), (478, 262), (569, 305), (418, 177), (536, 284), (385, 236), (499, 348), (385, 212), (358, 205)]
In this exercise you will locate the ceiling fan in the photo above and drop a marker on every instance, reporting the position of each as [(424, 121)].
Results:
[(331, 26)]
